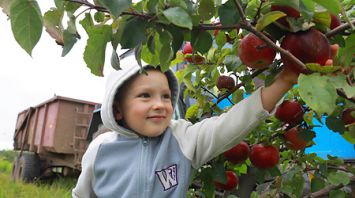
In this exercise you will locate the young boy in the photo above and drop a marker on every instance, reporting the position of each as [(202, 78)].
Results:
[(147, 154)]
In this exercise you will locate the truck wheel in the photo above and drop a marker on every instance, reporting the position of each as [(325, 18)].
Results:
[(26, 167)]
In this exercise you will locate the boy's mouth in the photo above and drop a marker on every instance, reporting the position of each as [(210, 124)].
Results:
[(156, 116)]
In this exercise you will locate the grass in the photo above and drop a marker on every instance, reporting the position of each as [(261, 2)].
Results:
[(54, 188)]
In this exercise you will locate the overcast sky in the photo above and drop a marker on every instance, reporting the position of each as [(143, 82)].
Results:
[(27, 81)]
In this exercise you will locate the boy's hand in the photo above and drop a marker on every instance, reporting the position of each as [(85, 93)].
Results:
[(291, 77), (288, 76)]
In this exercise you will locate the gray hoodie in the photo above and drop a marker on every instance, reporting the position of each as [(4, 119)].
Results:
[(120, 163)]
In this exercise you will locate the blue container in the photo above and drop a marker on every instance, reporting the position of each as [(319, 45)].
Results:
[(330, 143), (326, 141)]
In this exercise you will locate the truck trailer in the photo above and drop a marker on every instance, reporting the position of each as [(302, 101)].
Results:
[(52, 137)]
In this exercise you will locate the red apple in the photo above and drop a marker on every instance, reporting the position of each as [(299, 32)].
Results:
[(348, 116), (334, 21), (225, 82), (254, 53), (264, 156), (238, 153), (290, 112), (293, 139), (196, 59), (309, 46), (232, 182), (288, 10)]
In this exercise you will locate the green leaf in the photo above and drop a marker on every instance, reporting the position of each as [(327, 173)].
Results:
[(317, 184), (323, 69), (335, 124), (94, 54), (69, 41), (306, 135), (274, 171), (192, 113), (72, 25), (332, 5), (293, 182), (71, 7), (219, 173), (268, 18), (220, 38), (26, 23), (165, 58), (201, 41), (228, 13), (322, 17), (206, 9), (52, 21), (338, 177), (350, 135), (87, 22), (179, 3), (339, 81), (308, 117), (318, 93), (148, 56), (178, 38), (59, 3), (116, 7), (346, 53), (337, 194), (178, 17), (115, 61), (99, 17), (138, 56), (152, 5), (133, 33), (232, 62)]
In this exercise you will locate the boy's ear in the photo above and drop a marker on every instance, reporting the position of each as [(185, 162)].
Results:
[(118, 115), (117, 111)]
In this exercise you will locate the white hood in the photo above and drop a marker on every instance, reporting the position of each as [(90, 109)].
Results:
[(115, 80)]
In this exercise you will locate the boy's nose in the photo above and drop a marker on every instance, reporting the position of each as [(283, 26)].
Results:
[(158, 103)]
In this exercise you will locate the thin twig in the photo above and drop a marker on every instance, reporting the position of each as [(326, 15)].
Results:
[(327, 189), (253, 75), (339, 29)]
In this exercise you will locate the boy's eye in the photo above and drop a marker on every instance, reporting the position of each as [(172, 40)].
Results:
[(166, 96), (144, 95)]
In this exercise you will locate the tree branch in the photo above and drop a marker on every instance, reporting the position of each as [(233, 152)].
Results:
[(339, 29), (246, 25), (103, 9), (326, 190)]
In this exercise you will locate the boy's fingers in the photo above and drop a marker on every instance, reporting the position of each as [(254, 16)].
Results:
[(334, 50), (329, 62)]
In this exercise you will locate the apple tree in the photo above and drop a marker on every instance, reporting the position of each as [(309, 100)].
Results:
[(230, 48)]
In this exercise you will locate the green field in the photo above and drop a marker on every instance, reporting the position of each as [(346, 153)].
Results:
[(53, 188)]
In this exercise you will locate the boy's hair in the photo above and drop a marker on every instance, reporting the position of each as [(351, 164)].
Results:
[(122, 89)]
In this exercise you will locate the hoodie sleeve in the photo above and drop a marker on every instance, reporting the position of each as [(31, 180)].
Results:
[(86, 180), (202, 141)]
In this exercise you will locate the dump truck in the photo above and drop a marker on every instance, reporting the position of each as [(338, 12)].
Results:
[(52, 137)]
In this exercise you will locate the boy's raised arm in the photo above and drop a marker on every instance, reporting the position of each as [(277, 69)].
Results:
[(272, 94)]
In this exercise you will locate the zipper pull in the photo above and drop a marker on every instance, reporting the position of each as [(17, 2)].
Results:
[(145, 141)]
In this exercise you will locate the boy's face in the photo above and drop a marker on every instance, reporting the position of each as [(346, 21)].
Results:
[(145, 105)]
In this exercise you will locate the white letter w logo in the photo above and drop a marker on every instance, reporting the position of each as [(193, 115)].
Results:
[(168, 177)]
